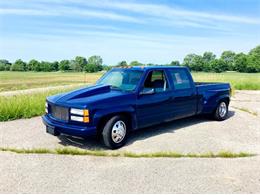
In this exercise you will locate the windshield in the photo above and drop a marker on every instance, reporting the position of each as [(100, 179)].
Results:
[(124, 79)]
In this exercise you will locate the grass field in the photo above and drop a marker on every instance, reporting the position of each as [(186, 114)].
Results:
[(240, 81), (25, 80), (10, 81)]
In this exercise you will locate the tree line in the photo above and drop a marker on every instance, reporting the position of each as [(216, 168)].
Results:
[(207, 62), (79, 64)]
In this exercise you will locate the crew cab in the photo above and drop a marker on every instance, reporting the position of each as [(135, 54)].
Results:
[(127, 99)]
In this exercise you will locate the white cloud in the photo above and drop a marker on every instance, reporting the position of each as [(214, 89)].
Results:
[(69, 12), (169, 12)]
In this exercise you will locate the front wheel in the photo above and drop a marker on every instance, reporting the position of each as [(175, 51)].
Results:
[(115, 132), (221, 111)]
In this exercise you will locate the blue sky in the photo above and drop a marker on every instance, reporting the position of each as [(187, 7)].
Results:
[(149, 31)]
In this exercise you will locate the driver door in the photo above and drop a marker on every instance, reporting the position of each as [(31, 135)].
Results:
[(153, 102)]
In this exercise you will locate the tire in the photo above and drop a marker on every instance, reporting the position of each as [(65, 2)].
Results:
[(221, 111), (115, 132)]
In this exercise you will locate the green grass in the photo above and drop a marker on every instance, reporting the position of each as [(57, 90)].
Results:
[(25, 105), (76, 151), (10, 81), (239, 81)]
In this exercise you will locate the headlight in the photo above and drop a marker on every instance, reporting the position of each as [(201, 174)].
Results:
[(79, 112), (82, 115)]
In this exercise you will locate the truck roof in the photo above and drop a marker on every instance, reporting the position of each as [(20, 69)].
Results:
[(151, 67)]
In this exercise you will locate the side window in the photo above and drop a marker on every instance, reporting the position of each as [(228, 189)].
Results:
[(156, 80), (180, 79)]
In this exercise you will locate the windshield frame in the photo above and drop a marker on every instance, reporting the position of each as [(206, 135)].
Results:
[(121, 69)]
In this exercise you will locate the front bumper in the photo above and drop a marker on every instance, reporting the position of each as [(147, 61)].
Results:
[(69, 129)]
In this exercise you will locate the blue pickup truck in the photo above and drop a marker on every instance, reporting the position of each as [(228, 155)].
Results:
[(127, 99)]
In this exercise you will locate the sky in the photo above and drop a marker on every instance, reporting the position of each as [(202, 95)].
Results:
[(150, 31)]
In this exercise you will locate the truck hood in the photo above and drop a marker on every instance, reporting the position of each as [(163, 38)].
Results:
[(85, 96)]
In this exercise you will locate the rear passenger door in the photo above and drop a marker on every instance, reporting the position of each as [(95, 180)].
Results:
[(184, 99)]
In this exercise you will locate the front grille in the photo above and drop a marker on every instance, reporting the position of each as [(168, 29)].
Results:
[(59, 112)]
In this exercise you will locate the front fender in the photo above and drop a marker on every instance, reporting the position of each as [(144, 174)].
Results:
[(114, 111)]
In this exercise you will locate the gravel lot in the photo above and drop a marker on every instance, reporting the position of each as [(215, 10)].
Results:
[(24, 173), (82, 174), (240, 132), (247, 99)]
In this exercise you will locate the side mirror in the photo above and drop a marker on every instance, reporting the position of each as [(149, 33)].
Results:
[(147, 91)]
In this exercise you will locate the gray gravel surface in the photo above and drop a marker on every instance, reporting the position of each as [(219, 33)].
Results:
[(240, 132), (246, 99), (82, 174)]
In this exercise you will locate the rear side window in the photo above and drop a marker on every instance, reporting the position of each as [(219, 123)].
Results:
[(180, 79), (156, 80)]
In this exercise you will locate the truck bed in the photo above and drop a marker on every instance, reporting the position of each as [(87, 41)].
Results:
[(209, 93)]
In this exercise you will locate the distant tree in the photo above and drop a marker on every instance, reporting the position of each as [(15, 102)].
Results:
[(34, 65), (18, 65), (194, 62), (72, 65), (95, 60), (94, 64), (229, 58), (254, 60), (240, 62), (5, 65), (219, 65), (207, 57), (135, 63), (92, 68), (80, 63), (2, 67), (150, 64), (64, 65), (122, 63), (175, 63), (107, 68), (47, 66), (55, 66)]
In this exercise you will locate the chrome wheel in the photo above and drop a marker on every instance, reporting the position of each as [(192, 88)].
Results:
[(118, 131), (222, 109)]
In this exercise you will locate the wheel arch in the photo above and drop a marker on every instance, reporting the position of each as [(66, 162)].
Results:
[(223, 98)]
